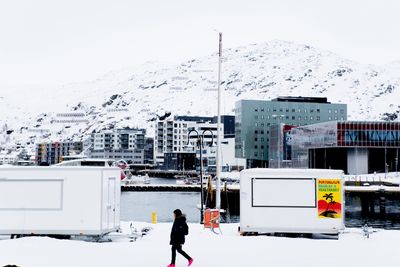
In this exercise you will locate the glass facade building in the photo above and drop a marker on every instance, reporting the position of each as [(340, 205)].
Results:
[(367, 146), (280, 148)]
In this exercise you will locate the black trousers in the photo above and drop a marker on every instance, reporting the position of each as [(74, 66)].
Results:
[(178, 248)]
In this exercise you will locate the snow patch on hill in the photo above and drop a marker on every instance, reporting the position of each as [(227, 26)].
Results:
[(134, 97)]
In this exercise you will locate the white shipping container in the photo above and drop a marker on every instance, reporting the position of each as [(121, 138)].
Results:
[(59, 201), (291, 201)]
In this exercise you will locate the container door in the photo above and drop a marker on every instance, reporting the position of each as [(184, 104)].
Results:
[(111, 203)]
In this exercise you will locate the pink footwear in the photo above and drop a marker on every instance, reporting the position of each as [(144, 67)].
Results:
[(171, 265), (190, 262)]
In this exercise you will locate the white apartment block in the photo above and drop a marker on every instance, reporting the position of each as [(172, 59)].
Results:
[(127, 144), (171, 136)]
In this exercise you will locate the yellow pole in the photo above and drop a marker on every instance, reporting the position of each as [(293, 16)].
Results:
[(153, 217)]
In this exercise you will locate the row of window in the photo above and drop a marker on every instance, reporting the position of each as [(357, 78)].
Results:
[(299, 118), (298, 110), (112, 135), (287, 117)]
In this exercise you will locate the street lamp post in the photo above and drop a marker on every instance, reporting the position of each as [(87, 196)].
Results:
[(200, 145)]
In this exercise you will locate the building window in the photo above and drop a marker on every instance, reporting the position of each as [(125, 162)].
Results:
[(335, 110), (311, 118), (341, 111), (262, 139), (293, 110), (262, 147), (287, 110), (329, 111), (318, 110), (293, 118), (255, 139), (262, 131), (329, 118), (262, 110), (256, 132), (281, 110), (318, 118), (255, 147), (256, 110)]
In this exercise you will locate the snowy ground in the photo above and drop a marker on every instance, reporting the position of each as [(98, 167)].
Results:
[(391, 177), (208, 249)]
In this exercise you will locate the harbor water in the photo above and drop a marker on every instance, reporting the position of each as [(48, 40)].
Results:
[(138, 206)]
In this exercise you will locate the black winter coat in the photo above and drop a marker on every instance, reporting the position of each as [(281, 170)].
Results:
[(178, 231)]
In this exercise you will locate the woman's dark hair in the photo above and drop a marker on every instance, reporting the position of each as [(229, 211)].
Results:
[(178, 212)]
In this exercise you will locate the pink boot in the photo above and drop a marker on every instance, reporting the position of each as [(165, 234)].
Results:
[(190, 262), (171, 265)]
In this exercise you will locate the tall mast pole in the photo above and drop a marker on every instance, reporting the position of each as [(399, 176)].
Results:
[(218, 163)]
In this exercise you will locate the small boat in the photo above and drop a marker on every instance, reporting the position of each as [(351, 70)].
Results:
[(138, 179)]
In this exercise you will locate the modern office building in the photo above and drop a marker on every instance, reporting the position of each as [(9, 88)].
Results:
[(127, 144), (52, 153), (353, 146), (253, 119)]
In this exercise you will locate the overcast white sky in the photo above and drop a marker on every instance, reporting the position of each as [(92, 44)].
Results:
[(55, 42)]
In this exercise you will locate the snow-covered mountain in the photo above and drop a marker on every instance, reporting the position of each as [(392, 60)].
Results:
[(135, 97)]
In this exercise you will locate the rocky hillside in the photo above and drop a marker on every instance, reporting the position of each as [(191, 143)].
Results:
[(137, 96)]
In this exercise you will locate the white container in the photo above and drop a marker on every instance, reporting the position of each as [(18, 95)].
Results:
[(62, 200), (291, 201)]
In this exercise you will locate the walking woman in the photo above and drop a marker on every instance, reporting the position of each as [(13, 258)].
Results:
[(178, 232)]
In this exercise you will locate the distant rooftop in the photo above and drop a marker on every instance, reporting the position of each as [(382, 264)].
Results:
[(301, 99), (193, 118), (203, 119)]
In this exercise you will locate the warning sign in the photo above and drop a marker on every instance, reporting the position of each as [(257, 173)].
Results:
[(329, 198)]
